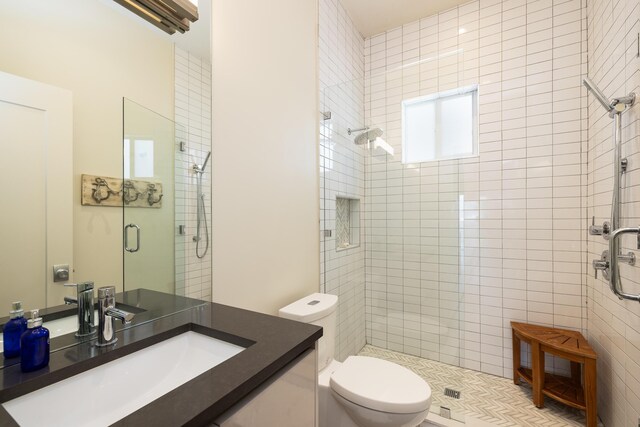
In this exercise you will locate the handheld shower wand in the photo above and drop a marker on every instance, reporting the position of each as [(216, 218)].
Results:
[(597, 93), (200, 168), (201, 217), (608, 262)]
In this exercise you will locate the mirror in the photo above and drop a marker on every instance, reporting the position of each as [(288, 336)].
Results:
[(98, 53), (35, 126)]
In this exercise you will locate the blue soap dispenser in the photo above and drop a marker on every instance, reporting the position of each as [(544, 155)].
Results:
[(13, 330), (34, 345)]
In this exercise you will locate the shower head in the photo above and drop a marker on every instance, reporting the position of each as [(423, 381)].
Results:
[(368, 136), (204, 165), (597, 93), (200, 168)]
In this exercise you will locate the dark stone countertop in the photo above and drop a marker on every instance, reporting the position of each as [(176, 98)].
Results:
[(147, 305), (271, 343)]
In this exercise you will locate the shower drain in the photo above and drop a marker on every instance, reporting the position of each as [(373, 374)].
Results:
[(452, 393)]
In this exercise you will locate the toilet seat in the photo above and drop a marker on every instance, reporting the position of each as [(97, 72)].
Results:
[(381, 385)]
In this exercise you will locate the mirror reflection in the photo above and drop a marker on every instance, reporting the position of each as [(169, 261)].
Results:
[(65, 69)]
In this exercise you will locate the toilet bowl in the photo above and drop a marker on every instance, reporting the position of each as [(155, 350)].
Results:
[(361, 391)]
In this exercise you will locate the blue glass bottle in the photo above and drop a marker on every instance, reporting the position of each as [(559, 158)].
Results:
[(13, 330), (34, 345)]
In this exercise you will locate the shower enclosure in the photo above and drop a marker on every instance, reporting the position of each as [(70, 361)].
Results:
[(152, 197)]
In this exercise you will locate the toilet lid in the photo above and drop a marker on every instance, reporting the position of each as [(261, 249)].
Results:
[(381, 385)]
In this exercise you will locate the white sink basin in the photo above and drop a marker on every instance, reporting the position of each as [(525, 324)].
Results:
[(58, 327), (65, 325), (119, 388)]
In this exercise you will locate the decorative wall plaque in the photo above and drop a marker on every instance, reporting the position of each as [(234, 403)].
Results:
[(106, 191)]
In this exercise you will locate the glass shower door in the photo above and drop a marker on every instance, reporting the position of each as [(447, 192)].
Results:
[(148, 192), (414, 268), (412, 229)]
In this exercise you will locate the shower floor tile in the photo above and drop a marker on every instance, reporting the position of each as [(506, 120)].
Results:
[(485, 397)]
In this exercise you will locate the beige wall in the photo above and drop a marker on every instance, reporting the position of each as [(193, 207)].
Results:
[(265, 161), (36, 127), (101, 54)]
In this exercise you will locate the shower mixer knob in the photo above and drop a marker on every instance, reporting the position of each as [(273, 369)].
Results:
[(601, 264), (597, 230)]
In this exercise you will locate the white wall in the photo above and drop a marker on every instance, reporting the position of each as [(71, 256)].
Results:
[(101, 55), (614, 325), (265, 161)]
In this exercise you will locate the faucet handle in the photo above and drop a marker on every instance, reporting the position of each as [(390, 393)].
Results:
[(81, 287), (601, 264), (124, 316), (106, 292)]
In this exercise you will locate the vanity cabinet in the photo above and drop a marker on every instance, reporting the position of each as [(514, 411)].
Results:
[(288, 399)]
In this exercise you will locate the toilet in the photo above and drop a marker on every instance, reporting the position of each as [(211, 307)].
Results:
[(361, 391)]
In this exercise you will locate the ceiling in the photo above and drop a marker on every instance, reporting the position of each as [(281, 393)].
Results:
[(372, 17), (198, 39)]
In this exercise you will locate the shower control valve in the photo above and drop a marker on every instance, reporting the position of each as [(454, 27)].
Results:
[(629, 258), (602, 264), (596, 230)]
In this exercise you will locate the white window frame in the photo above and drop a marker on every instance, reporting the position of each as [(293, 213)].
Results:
[(437, 99)]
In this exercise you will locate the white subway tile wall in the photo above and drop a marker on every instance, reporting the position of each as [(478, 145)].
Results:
[(614, 325), (457, 249), (341, 168), (193, 118)]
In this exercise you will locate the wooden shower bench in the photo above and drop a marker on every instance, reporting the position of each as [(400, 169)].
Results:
[(578, 390)]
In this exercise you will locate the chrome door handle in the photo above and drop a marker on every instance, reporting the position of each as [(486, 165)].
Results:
[(126, 238)]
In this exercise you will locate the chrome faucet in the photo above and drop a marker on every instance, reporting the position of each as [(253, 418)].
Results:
[(107, 314), (84, 301)]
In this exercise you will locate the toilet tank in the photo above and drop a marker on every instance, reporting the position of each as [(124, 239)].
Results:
[(317, 309)]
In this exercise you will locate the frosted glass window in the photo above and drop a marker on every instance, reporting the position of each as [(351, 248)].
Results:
[(143, 158), (126, 152), (440, 126)]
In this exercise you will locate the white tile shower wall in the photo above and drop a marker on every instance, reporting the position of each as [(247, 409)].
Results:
[(341, 168), (614, 325), (457, 249), (193, 118)]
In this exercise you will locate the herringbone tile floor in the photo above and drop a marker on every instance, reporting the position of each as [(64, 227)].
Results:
[(485, 397)]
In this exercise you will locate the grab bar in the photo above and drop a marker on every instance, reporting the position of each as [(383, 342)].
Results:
[(608, 262), (614, 252)]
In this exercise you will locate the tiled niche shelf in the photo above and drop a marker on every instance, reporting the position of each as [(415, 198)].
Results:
[(347, 223)]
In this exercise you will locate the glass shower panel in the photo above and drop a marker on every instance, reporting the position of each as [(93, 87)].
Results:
[(150, 144), (181, 211), (413, 236), (342, 196)]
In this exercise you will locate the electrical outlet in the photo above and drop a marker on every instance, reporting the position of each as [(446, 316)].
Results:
[(61, 273)]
